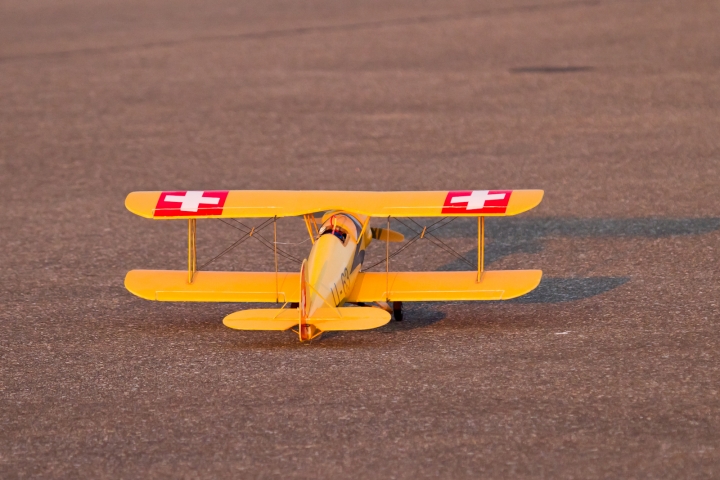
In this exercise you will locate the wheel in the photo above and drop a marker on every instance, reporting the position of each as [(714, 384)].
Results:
[(397, 311)]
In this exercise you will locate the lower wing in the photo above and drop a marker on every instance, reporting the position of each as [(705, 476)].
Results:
[(172, 286), (444, 286)]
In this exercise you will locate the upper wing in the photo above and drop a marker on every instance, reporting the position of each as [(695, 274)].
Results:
[(285, 203)]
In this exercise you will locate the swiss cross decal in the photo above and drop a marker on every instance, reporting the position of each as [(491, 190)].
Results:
[(476, 202), (190, 203)]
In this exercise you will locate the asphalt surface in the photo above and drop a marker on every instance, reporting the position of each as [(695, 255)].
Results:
[(610, 369)]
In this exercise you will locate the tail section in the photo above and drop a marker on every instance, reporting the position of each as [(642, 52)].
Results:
[(306, 331), (309, 326), (386, 235)]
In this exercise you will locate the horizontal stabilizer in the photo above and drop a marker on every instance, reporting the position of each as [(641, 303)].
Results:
[(327, 319), (383, 234), (269, 319), (348, 318)]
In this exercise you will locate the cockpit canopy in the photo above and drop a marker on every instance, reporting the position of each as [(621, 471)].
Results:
[(341, 226), (337, 231)]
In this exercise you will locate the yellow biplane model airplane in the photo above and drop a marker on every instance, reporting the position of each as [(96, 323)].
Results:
[(315, 299)]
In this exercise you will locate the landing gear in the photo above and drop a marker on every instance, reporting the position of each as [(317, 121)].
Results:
[(308, 332), (397, 311)]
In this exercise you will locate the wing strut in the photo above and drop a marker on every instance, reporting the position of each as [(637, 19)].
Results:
[(481, 247), (362, 232), (308, 219), (192, 253), (277, 287), (387, 262)]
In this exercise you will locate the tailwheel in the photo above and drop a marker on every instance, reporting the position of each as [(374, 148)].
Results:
[(307, 332), (398, 311)]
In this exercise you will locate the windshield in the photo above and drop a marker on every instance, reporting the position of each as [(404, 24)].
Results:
[(338, 225), (334, 231)]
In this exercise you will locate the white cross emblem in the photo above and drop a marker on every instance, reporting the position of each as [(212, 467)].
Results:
[(476, 200), (190, 202)]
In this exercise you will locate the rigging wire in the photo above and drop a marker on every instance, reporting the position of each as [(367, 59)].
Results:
[(428, 235), (426, 232), (238, 242), (262, 240), (395, 253), (439, 243)]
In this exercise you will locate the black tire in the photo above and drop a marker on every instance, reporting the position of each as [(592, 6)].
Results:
[(397, 311)]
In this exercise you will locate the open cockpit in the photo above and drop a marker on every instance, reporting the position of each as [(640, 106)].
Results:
[(341, 226)]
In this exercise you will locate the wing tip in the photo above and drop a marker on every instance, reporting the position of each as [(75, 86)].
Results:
[(142, 203), (524, 200), (133, 284), (529, 287)]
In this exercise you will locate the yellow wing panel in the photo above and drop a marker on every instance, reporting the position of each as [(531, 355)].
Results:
[(173, 286), (444, 286), (285, 203)]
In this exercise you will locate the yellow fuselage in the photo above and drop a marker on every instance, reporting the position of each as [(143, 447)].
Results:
[(335, 260)]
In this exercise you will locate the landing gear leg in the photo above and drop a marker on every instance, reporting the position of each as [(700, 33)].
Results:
[(397, 311)]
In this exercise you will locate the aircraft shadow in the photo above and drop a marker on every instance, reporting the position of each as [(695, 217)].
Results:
[(550, 290), (560, 290), (509, 236)]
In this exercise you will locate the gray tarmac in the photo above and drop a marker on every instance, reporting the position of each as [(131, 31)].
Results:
[(610, 369)]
